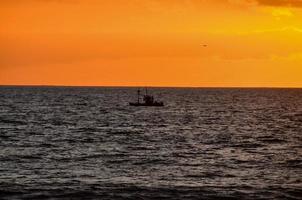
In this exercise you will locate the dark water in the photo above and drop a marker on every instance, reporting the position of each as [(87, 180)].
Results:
[(87, 143)]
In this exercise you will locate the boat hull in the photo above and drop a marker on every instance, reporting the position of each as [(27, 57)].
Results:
[(158, 104)]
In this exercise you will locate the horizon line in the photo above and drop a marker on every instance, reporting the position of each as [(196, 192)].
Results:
[(152, 86)]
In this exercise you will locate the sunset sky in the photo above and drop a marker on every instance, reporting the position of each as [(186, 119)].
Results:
[(249, 43)]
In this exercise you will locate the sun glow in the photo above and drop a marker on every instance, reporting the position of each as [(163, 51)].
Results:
[(157, 43)]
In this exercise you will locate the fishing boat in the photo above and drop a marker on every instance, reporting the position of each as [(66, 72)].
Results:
[(148, 100)]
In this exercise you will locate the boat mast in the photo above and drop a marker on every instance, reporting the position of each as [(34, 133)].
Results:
[(138, 94)]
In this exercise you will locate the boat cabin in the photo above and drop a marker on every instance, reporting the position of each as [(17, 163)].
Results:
[(148, 100)]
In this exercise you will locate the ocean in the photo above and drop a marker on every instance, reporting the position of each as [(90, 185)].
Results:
[(205, 143)]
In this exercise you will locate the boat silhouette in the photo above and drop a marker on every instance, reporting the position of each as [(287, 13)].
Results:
[(148, 100)]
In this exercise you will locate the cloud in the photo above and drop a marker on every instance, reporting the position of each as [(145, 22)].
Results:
[(282, 12), (287, 3), (278, 3)]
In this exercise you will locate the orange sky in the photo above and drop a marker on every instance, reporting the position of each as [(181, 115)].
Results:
[(251, 43)]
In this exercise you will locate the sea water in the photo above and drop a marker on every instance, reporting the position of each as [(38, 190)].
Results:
[(207, 143)]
